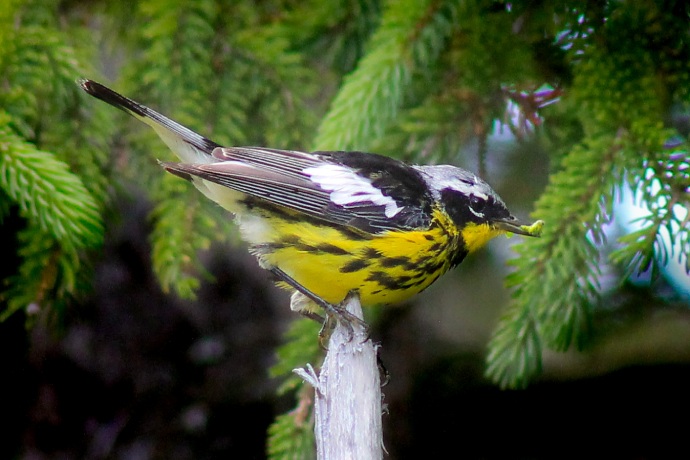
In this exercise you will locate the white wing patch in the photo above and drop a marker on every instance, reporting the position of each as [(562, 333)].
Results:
[(347, 187)]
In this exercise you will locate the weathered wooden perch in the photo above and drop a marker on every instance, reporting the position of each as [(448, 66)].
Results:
[(347, 403)]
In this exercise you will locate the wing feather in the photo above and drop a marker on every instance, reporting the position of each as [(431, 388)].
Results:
[(364, 191), (320, 185)]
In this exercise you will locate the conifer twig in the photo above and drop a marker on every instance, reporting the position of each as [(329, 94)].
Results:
[(347, 403)]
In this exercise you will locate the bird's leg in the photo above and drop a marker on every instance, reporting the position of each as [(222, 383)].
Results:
[(347, 318), (327, 326), (333, 312)]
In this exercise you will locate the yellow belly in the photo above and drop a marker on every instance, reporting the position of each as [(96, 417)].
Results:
[(331, 261), (386, 268)]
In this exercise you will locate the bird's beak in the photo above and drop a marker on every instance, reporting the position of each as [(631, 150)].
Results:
[(512, 225)]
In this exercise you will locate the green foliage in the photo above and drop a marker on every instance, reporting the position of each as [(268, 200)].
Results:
[(63, 219), (46, 276), (456, 101), (291, 435), (555, 281), (622, 100), (663, 188), (180, 219), (290, 438), (411, 36), (43, 163), (47, 194), (300, 348), (332, 34)]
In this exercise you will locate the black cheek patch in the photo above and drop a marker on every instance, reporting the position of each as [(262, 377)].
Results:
[(457, 205)]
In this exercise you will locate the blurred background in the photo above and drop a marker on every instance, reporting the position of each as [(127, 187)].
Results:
[(151, 335)]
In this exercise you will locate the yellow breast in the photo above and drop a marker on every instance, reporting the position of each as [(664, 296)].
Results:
[(385, 268)]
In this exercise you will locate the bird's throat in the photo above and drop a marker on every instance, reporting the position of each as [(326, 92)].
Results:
[(476, 236)]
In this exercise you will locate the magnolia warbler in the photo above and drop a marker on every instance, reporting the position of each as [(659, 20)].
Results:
[(330, 223)]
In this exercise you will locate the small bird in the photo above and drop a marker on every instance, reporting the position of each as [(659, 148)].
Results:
[(331, 223)]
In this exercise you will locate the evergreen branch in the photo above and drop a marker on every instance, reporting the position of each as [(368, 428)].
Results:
[(40, 89), (663, 187), (176, 66), (410, 37), (335, 32), (634, 105), (42, 160), (47, 193), (8, 35), (182, 227), (429, 132), (176, 74), (233, 103), (464, 97), (555, 280), (84, 143), (515, 349), (291, 435), (277, 85), (641, 247), (39, 78), (299, 348), (47, 274)]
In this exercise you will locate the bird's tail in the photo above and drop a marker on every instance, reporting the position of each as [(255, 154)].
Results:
[(189, 146)]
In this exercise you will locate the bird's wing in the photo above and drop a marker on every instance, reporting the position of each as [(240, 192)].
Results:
[(369, 192)]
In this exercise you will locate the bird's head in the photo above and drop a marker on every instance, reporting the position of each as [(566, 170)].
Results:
[(475, 208)]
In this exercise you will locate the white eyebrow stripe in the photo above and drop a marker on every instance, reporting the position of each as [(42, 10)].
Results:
[(463, 187), (347, 187)]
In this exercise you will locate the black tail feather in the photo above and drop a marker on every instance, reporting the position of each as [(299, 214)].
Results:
[(142, 112)]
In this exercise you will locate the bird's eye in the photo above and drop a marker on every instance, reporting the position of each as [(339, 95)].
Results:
[(477, 203)]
